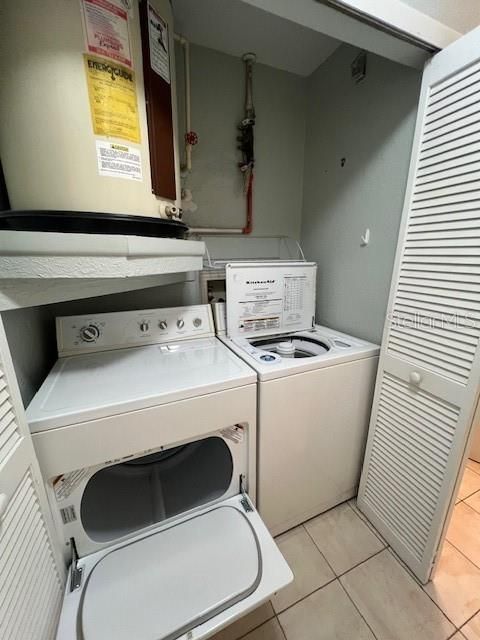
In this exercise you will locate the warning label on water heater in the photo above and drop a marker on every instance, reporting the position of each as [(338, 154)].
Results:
[(118, 160), (158, 42), (106, 29), (113, 99)]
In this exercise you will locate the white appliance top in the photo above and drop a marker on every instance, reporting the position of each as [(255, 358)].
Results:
[(96, 384), (319, 347), (170, 582), (266, 299)]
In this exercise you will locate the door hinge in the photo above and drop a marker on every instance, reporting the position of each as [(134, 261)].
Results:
[(244, 500), (76, 571)]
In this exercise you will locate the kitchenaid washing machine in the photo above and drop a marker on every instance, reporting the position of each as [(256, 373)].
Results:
[(315, 389), (145, 430)]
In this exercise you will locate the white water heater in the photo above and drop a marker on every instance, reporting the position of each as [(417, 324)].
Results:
[(88, 105)]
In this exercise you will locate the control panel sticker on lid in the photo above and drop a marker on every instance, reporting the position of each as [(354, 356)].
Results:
[(269, 299)]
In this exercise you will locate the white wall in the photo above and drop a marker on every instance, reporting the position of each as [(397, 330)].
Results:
[(370, 125), (217, 86), (461, 15)]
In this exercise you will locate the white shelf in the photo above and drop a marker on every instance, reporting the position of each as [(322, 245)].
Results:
[(40, 268)]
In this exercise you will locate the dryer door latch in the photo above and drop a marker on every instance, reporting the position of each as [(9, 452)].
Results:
[(75, 571), (244, 500)]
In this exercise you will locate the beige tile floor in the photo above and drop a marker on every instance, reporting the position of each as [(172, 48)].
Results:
[(349, 585)]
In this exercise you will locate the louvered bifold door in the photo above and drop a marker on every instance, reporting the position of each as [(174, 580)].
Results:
[(31, 570), (429, 371)]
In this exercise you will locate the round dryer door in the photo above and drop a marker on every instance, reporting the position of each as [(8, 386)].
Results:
[(163, 585)]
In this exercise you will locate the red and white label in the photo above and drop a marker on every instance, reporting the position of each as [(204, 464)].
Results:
[(107, 29)]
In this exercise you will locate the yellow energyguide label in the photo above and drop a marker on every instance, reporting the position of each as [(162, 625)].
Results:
[(113, 98)]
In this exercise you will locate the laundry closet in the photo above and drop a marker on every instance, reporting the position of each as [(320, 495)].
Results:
[(342, 129)]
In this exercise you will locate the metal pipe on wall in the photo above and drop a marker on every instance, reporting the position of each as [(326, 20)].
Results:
[(213, 231), (249, 59), (188, 108)]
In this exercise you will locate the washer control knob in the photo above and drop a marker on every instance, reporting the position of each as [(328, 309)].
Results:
[(180, 323), (144, 326), (163, 324), (197, 322), (89, 333)]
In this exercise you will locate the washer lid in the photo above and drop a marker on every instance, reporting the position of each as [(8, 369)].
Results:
[(163, 585)]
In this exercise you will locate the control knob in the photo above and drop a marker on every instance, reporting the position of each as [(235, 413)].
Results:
[(180, 323), (144, 326), (89, 333), (197, 322), (163, 324)]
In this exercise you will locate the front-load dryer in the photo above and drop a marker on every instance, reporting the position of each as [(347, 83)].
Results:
[(145, 430), (315, 389)]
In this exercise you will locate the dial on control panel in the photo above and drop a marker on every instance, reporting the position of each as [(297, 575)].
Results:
[(180, 323), (163, 324), (144, 326), (89, 333)]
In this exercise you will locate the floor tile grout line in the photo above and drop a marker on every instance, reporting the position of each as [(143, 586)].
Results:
[(302, 524), (469, 495), (468, 498), (385, 547), (469, 620), (277, 614), (462, 553), (320, 551), (253, 628), (388, 548), (335, 577), (339, 575), (307, 595), (357, 609), (467, 505), (281, 627), (474, 470), (355, 566), (367, 522), (422, 587), (454, 624), (404, 566)]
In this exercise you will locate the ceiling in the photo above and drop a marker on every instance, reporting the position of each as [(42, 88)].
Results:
[(234, 27)]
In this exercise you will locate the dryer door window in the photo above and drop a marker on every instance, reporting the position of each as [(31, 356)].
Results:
[(130, 496)]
